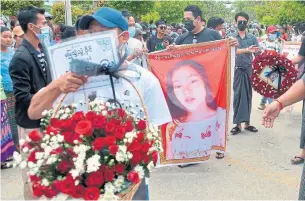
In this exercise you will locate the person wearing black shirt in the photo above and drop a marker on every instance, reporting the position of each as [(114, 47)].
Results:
[(159, 41)]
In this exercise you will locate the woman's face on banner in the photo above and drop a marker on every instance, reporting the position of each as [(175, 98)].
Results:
[(189, 88)]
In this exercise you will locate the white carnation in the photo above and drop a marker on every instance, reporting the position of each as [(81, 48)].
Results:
[(45, 182), (149, 136), (93, 163), (21, 142), (150, 165), (43, 145), (104, 112), (25, 150), (28, 139), (64, 116), (17, 157), (60, 138), (67, 110), (23, 165), (44, 113)]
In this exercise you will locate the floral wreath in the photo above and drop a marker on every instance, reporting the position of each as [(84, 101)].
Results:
[(273, 74)]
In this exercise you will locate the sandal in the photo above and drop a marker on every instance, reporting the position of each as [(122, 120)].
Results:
[(220, 155), (297, 160), (251, 129), (5, 166), (235, 130)]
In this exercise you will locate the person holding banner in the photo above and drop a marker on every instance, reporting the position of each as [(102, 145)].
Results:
[(242, 102), (106, 19)]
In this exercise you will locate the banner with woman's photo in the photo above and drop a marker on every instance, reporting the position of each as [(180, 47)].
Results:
[(196, 80)]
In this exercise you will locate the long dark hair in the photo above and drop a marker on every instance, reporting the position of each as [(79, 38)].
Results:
[(176, 108)]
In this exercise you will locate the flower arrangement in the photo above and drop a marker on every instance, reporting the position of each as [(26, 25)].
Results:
[(273, 74), (98, 155)]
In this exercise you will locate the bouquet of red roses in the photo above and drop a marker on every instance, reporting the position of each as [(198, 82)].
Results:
[(101, 154)]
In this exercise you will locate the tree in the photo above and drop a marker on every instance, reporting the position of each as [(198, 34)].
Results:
[(58, 12), (11, 7), (136, 8)]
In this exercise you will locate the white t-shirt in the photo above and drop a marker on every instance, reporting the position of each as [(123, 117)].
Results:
[(147, 84), (134, 44)]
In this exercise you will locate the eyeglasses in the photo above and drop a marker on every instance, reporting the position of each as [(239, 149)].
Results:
[(242, 22), (195, 39), (162, 27)]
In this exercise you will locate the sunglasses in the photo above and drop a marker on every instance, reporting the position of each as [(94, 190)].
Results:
[(242, 22), (162, 27)]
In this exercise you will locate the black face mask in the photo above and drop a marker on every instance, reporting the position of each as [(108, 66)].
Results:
[(189, 25), (242, 26)]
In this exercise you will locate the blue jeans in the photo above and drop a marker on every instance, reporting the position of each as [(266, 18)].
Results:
[(265, 100)]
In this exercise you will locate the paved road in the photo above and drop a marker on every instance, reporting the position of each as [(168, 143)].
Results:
[(256, 166)]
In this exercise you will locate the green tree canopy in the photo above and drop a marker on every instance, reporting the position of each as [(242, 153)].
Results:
[(11, 7)]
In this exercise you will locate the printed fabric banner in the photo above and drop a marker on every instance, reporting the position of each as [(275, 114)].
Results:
[(290, 50), (196, 81)]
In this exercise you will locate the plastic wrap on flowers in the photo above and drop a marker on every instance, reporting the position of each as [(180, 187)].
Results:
[(273, 74), (99, 155)]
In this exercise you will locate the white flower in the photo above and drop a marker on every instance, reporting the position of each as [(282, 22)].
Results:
[(28, 139), (67, 110), (45, 182), (93, 163), (21, 142), (129, 155), (23, 165), (108, 104), (43, 145), (46, 137), (75, 141), (44, 113), (102, 107), (64, 116), (139, 169), (60, 112), (25, 150), (149, 136), (76, 182), (39, 163), (75, 173), (129, 140), (125, 140), (60, 138), (104, 112), (31, 165), (109, 187), (150, 165), (17, 157), (39, 155)]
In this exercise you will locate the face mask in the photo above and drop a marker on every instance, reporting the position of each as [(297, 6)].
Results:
[(44, 35), (272, 37), (189, 25), (220, 32), (132, 31), (153, 32), (242, 26)]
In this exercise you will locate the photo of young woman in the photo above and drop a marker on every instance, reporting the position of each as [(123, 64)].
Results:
[(198, 122)]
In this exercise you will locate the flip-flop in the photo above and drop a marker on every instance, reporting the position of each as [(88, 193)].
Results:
[(251, 129), (235, 130), (220, 155), (297, 160)]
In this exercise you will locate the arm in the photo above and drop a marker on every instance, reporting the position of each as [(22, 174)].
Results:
[(44, 99), (294, 94), (148, 44), (298, 59)]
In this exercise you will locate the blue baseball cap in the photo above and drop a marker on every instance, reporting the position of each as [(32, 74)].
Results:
[(107, 17)]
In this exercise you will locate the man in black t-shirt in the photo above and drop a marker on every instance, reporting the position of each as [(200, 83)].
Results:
[(159, 41), (196, 31)]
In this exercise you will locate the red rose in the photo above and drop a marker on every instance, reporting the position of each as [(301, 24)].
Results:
[(50, 192), (92, 193), (57, 185), (145, 147), (59, 150), (141, 125), (115, 121), (155, 156), (119, 168), (134, 146), (68, 124), (64, 166), (109, 129), (133, 177), (110, 140), (99, 122), (70, 152), (32, 157), (35, 136), (113, 149), (119, 133), (140, 137), (145, 158), (78, 191), (108, 174), (37, 189), (129, 126), (99, 143), (67, 185), (95, 179), (84, 127), (55, 123), (121, 113), (90, 115), (68, 137), (51, 129), (78, 116), (34, 178), (136, 158)]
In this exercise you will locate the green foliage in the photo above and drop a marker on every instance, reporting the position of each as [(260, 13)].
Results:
[(154, 16), (58, 12), (11, 7), (136, 8)]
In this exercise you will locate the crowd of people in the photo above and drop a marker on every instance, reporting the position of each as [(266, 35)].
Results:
[(27, 87)]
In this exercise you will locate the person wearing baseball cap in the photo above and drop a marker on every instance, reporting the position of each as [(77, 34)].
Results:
[(18, 36), (106, 19), (270, 43)]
